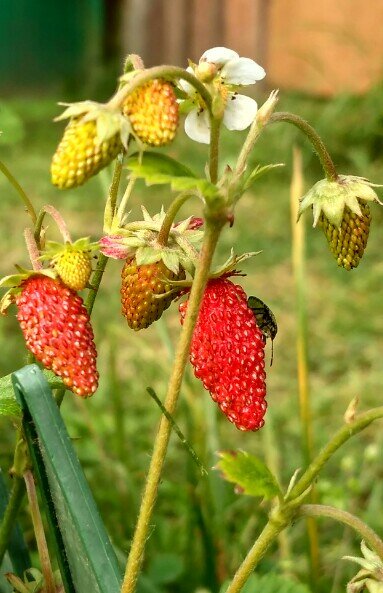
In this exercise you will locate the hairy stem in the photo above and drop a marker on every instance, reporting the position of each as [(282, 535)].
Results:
[(55, 214), (215, 128), (46, 567), (269, 533), (167, 72), (313, 136), (171, 213), (343, 435), (366, 533), (162, 438), (27, 203), (11, 512)]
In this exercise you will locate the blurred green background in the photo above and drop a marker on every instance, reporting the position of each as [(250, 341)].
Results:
[(201, 528)]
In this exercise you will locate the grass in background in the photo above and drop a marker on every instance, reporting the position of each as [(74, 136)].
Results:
[(201, 529)]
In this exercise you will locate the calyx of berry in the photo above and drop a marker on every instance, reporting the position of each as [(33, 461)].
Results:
[(55, 250), (14, 281), (109, 121), (331, 197), (140, 240)]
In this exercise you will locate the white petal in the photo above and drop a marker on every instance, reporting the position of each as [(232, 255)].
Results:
[(219, 55), (197, 126), (185, 85), (242, 71), (239, 112)]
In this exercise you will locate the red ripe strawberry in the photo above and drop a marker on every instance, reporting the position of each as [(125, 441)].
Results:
[(227, 353), (57, 331)]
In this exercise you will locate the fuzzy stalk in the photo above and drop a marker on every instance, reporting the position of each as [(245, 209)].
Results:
[(340, 437), (268, 535), (365, 532), (167, 72), (316, 141), (46, 567), (215, 129), (140, 537), (171, 213), (13, 181), (55, 214)]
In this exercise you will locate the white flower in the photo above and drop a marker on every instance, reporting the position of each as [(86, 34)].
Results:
[(229, 72)]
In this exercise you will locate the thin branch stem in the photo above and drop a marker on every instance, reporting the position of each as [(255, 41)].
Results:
[(313, 136), (162, 439), (215, 129), (366, 533), (167, 72), (55, 214), (33, 250), (46, 567), (343, 435), (171, 213), (269, 533), (13, 181), (10, 515)]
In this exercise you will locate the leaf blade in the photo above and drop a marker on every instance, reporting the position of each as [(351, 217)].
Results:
[(249, 473)]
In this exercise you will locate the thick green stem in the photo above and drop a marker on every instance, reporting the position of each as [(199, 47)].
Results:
[(167, 72), (96, 281), (27, 203), (11, 512), (269, 533), (46, 567), (215, 128), (313, 136), (343, 435), (366, 533), (162, 439)]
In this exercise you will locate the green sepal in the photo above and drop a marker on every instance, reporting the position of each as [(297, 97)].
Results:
[(54, 249), (249, 473), (331, 197)]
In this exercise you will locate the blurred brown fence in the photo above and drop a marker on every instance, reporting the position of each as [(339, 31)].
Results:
[(323, 47)]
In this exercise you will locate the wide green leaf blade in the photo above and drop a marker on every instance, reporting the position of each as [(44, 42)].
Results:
[(249, 473), (93, 563), (9, 405), (161, 169)]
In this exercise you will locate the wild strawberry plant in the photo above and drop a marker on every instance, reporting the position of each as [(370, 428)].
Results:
[(168, 263)]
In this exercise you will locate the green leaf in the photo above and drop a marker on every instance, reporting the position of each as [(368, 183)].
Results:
[(250, 474), (270, 583), (257, 173), (161, 169), (88, 550), (8, 403)]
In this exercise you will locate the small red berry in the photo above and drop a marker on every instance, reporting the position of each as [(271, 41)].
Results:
[(57, 331), (227, 353)]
